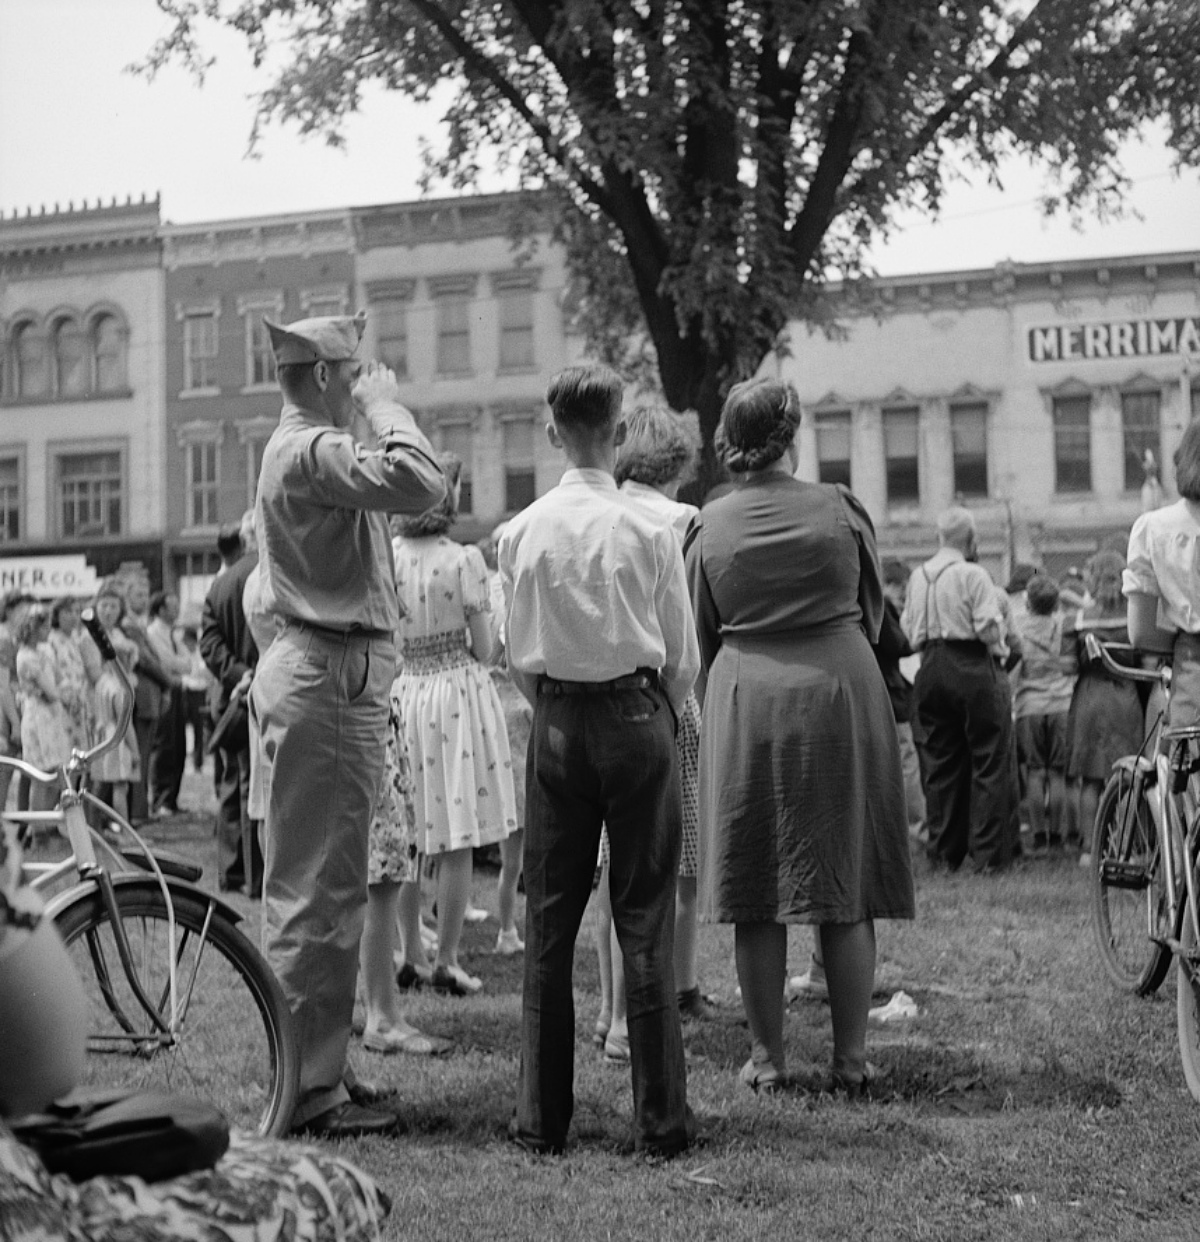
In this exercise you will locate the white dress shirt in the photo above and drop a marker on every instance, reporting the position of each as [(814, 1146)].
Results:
[(595, 591)]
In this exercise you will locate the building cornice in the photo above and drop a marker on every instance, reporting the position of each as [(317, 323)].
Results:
[(257, 238)]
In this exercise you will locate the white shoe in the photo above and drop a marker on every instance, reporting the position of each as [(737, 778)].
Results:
[(509, 942), (475, 915), (808, 984)]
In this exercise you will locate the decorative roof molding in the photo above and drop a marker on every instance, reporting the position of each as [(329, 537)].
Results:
[(257, 239), (395, 289)]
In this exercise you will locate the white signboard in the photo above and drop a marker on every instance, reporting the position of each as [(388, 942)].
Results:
[(48, 577), (1129, 338)]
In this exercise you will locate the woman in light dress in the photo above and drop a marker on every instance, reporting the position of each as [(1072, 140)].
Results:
[(76, 665), (113, 771), (451, 716), (45, 725), (658, 456)]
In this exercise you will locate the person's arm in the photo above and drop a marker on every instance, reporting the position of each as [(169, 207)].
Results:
[(870, 572), (985, 609), (225, 664), (1144, 630), (477, 604), (524, 682), (682, 661)]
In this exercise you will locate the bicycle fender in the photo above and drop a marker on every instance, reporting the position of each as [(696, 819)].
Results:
[(127, 883)]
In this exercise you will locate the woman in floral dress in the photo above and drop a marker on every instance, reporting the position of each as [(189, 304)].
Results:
[(451, 715), (45, 726), (76, 665)]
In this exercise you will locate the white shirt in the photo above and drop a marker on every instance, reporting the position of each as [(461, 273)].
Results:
[(1164, 560), (659, 508), (951, 597), (171, 655), (594, 590)]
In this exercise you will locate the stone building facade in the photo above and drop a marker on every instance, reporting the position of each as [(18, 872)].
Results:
[(1029, 392)]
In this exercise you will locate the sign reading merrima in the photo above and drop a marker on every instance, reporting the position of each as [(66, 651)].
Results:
[(1129, 338)]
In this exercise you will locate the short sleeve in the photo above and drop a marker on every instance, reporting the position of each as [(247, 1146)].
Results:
[(473, 574), (1139, 577)]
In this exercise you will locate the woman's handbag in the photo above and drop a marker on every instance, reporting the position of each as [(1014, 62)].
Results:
[(149, 1134)]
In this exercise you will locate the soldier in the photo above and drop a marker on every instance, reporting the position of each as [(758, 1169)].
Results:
[(319, 695)]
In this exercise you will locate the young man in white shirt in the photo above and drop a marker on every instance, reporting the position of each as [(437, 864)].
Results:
[(601, 642)]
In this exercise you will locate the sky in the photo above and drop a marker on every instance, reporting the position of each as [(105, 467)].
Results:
[(75, 127)]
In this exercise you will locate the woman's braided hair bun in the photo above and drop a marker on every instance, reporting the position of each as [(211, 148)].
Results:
[(758, 423)]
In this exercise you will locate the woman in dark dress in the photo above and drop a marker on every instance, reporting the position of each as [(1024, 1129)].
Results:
[(802, 813)]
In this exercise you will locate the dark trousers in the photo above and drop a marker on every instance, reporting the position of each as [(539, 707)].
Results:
[(196, 714), (168, 752), (596, 759), (237, 833), (139, 798), (966, 744)]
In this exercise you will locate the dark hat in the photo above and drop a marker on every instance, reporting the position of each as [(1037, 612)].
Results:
[(328, 338)]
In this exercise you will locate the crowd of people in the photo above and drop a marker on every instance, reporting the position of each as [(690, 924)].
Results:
[(719, 718)]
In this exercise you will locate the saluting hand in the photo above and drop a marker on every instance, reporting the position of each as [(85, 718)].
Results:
[(378, 395)]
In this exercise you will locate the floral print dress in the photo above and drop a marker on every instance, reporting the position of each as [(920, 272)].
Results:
[(451, 716)]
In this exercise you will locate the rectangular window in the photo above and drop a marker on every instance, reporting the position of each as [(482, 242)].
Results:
[(89, 495), (516, 330), (200, 350), (520, 487), (10, 499), (453, 336), (968, 435), (901, 445), (833, 447), (392, 320), (202, 483), (1140, 430), (260, 358), (458, 438), (321, 305), (1072, 444)]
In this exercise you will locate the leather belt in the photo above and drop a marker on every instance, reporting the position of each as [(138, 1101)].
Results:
[(643, 679), (353, 633)]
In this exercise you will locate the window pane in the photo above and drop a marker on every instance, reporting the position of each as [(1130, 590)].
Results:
[(968, 433), (70, 360), (457, 439), (1072, 444), (202, 468), (200, 350), (260, 357), (901, 440), (89, 488), (10, 499), (33, 378), (392, 318), (1140, 425), (516, 330), (454, 336), (316, 307), (833, 447), (108, 342), (520, 484)]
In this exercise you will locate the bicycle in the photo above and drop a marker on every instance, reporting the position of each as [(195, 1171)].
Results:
[(178, 997), (1146, 851)]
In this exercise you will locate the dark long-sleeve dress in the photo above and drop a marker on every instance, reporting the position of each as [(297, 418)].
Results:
[(802, 814)]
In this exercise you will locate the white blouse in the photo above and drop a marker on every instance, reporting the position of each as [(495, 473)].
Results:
[(1164, 560)]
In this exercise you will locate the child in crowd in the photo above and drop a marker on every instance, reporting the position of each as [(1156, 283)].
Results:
[(1042, 683)]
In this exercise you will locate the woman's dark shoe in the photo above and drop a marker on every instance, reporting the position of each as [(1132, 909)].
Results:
[(762, 1079), (864, 1088), (409, 978), (454, 981)]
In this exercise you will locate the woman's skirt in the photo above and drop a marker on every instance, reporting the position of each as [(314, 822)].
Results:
[(802, 814)]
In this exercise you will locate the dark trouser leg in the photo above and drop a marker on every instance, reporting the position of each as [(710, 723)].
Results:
[(139, 801), (562, 836), (990, 738), (231, 870), (945, 761), (632, 745), (167, 754)]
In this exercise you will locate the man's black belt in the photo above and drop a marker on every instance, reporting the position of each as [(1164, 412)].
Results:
[(968, 646), (643, 679), (338, 635)]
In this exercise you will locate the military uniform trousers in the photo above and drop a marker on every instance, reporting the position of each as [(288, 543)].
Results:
[(319, 700)]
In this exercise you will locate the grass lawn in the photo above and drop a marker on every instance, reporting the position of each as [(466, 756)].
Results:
[(1029, 1098)]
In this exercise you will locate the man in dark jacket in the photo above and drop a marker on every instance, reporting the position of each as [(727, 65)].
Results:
[(152, 689), (228, 649)]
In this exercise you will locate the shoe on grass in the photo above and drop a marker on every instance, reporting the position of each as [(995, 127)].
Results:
[(475, 915), (811, 984), (509, 942), (616, 1049), (694, 1006)]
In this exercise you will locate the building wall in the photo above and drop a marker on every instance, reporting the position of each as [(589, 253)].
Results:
[(1113, 345), (483, 399), (76, 267)]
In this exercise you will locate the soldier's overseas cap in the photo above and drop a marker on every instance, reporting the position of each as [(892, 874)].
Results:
[(325, 339)]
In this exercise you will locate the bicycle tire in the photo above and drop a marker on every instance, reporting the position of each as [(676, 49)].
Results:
[(1126, 836), (235, 1047), (1187, 1007)]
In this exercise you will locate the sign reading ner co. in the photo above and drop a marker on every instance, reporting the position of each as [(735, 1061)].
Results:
[(1128, 338), (47, 577)]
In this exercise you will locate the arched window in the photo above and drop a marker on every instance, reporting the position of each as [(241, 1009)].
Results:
[(69, 352), (31, 376), (108, 354)]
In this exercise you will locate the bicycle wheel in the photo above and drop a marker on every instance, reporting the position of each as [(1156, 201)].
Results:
[(1187, 1006), (233, 1047), (1127, 888)]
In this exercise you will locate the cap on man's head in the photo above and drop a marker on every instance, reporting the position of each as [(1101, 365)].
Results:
[(328, 338), (955, 524)]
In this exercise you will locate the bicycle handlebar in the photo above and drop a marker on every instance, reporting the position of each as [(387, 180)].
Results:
[(1102, 651)]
